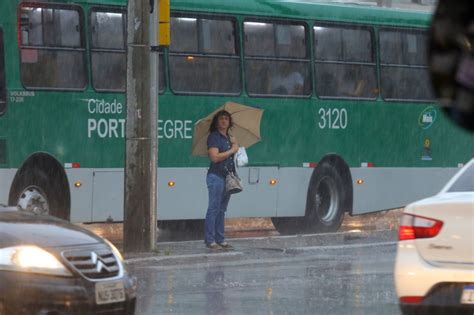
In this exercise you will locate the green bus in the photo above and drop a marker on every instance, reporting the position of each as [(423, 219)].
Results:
[(349, 124)]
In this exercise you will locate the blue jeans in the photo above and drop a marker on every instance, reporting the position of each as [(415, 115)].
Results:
[(218, 201)]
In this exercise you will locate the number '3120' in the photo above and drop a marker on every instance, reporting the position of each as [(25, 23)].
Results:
[(332, 118)]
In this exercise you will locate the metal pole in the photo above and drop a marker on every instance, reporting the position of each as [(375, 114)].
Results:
[(154, 90), (140, 163)]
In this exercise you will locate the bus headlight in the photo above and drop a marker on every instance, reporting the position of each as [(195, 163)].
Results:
[(31, 259)]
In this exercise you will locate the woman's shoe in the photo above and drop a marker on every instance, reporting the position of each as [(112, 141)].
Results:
[(214, 246), (225, 245)]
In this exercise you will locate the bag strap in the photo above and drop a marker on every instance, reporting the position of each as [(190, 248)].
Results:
[(229, 172), (232, 173)]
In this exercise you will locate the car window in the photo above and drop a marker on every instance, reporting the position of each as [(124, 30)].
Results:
[(465, 182)]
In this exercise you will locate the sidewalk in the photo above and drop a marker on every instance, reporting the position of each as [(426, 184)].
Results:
[(251, 234), (192, 252)]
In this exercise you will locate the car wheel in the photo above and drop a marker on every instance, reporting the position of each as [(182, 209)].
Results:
[(35, 191)]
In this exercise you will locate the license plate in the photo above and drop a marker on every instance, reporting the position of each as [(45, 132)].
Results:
[(109, 292), (467, 296)]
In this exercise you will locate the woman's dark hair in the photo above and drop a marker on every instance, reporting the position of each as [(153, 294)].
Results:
[(213, 126)]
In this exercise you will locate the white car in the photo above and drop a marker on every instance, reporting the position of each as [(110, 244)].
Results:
[(434, 268)]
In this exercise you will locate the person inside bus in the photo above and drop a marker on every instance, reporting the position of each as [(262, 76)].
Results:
[(288, 84), (221, 149)]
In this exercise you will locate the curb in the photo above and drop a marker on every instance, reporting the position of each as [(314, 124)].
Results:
[(172, 257), (298, 250)]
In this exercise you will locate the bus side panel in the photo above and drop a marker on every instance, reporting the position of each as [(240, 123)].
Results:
[(6, 179), (81, 197), (389, 188), (259, 198), (188, 198), (108, 195), (292, 190)]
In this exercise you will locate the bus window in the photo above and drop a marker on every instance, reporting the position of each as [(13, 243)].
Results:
[(108, 51), (345, 64), (3, 89), (52, 48), (108, 55), (203, 56), (404, 73), (276, 59)]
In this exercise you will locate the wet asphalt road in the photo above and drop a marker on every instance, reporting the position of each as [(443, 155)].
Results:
[(341, 273)]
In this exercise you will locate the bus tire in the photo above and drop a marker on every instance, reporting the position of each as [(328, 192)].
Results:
[(329, 197), (34, 190)]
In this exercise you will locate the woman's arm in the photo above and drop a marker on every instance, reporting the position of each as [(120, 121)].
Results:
[(216, 157)]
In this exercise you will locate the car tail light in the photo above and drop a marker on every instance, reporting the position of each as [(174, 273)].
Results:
[(413, 227), (411, 299)]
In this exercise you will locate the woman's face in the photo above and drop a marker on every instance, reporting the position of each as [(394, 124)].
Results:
[(223, 122)]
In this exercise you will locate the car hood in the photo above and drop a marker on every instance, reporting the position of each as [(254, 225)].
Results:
[(25, 228)]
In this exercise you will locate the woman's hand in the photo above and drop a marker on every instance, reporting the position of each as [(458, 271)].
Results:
[(235, 144), (235, 148), (233, 140)]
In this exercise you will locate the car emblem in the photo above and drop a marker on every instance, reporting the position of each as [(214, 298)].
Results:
[(98, 262)]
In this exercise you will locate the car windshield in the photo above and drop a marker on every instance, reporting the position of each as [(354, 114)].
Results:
[(465, 182)]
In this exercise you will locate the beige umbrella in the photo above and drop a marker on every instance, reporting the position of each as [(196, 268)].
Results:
[(246, 127)]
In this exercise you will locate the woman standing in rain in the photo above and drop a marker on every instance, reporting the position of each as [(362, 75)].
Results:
[(221, 149)]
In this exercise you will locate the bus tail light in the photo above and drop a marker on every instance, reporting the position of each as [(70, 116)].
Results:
[(413, 227)]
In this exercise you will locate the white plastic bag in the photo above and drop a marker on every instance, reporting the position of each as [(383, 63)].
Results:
[(241, 158)]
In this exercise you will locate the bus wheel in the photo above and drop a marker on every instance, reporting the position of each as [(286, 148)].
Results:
[(32, 191), (327, 194)]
